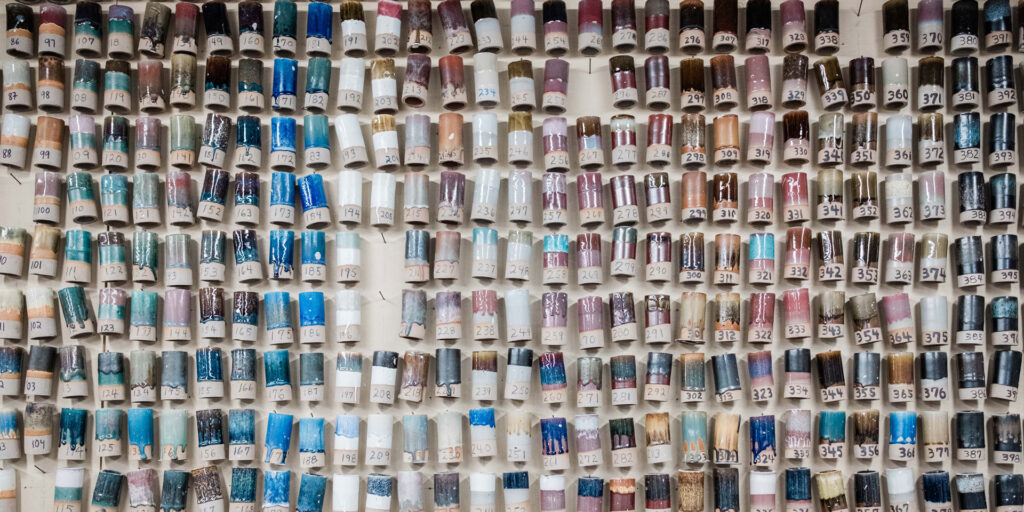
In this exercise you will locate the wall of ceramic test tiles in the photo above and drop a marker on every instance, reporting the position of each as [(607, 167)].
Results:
[(385, 269)]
